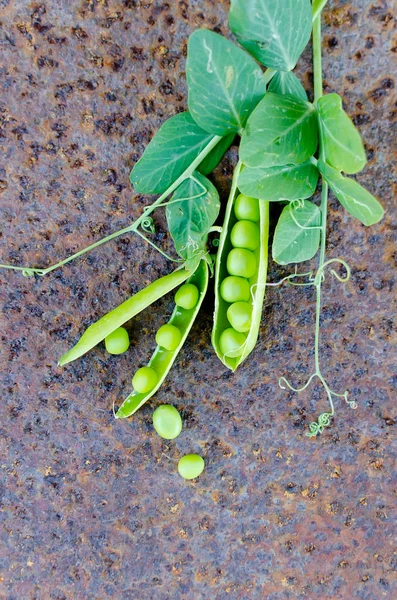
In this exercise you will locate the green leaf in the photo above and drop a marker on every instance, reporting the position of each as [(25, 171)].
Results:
[(357, 201), (285, 82), (215, 156), (297, 235), (282, 130), (343, 145), (191, 212), (288, 182), (274, 31), (225, 84), (174, 147)]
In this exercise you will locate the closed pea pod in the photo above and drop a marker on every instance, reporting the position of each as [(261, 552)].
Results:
[(232, 345), (163, 359), (102, 328)]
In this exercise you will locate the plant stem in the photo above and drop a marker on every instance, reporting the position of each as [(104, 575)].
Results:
[(131, 228), (317, 59), (318, 92), (268, 75), (317, 8)]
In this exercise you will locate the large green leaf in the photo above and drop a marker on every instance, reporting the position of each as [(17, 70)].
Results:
[(191, 213), (225, 84), (288, 182), (343, 145), (285, 82), (297, 235), (174, 147), (274, 31), (357, 201), (282, 130), (215, 156)]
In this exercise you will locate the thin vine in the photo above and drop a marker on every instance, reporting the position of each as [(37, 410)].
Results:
[(324, 419)]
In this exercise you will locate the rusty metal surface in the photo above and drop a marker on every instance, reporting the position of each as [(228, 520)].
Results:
[(92, 508)]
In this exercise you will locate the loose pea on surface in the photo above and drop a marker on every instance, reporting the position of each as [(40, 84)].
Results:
[(118, 341), (231, 342), (235, 289), (245, 234), (187, 296), (190, 466), (168, 337), (144, 380), (167, 422), (241, 262), (239, 315), (246, 208)]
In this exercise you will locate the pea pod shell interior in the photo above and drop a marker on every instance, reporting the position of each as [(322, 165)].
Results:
[(162, 359), (257, 282)]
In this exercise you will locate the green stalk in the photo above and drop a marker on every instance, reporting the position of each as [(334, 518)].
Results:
[(317, 8), (268, 75), (318, 92)]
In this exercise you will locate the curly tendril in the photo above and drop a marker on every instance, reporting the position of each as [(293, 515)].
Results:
[(148, 225), (343, 279), (323, 421), (317, 427), (29, 272), (292, 276)]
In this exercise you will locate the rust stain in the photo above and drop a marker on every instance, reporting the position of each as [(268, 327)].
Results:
[(94, 508)]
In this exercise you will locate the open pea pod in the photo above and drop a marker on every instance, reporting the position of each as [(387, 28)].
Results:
[(121, 314), (257, 282), (162, 359)]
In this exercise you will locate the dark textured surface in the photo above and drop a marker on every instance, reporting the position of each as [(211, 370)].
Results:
[(92, 508)]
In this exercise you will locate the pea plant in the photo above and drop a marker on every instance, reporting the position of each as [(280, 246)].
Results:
[(287, 145)]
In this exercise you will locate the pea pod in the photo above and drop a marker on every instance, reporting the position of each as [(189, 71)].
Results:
[(256, 282), (121, 314), (162, 359)]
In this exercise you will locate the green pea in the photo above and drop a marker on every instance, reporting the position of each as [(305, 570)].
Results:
[(118, 341), (241, 262), (245, 234), (144, 380), (167, 422), (246, 208), (231, 343), (239, 315), (235, 289), (187, 296), (190, 466), (168, 337)]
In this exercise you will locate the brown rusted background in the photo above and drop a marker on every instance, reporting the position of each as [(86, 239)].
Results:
[(92, 508)]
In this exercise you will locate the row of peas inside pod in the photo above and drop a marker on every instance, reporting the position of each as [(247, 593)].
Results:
[(240, 278), (166, 419)]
